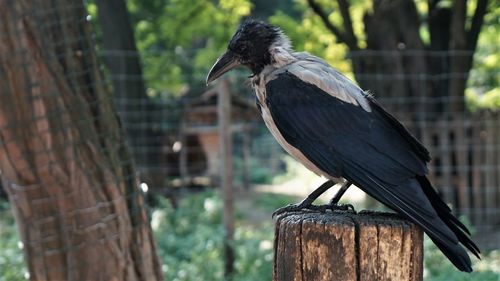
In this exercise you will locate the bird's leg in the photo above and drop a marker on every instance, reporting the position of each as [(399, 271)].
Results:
[(306, 203), (335, 200)]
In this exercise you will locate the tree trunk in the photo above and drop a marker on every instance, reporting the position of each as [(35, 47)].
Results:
[(135, 108), (63, 161), (394, 62), (347, 246)]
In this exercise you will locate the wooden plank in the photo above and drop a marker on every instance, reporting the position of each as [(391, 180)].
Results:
[(427, 137), (226, 173), (246, 159), (460, 151), (478, 155), (183, 156), (490, 171), (347, 246), (445, 157), (203, 129)]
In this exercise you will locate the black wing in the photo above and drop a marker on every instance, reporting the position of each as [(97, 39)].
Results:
[(371, 149)]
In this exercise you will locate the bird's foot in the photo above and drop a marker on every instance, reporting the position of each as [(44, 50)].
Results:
[(342, 207), (298, 207)]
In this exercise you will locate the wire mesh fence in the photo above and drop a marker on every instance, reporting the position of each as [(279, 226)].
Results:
[(464, 143), (71, 181)]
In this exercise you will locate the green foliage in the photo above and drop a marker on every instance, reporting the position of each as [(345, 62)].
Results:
[(484, 82), (438, 268), (11, 259), (259, 173), (180, 39), (309, 34), (254, 253), (190, 242), (476, 99), (188, 237)]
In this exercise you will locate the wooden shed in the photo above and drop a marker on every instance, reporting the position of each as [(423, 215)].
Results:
[(199, 119)]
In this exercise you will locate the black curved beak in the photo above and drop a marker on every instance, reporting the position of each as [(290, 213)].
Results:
[(223, 64)]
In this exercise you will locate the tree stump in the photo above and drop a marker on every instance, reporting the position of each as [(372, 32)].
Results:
[(344, 245)]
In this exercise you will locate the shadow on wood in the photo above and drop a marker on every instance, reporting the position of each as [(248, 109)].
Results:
[(346, 246)]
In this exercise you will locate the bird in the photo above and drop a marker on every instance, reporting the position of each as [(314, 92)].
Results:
[(338, 131)]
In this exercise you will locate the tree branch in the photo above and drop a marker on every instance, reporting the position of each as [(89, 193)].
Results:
[(431, 5), (431, 11), (477, 23), (341, 37), (346, 17)]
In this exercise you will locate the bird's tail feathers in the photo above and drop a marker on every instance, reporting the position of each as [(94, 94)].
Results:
[(434, 216), (444, 212), (455, 254)]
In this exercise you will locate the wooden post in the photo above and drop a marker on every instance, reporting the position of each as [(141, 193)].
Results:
[(246, 158), (346, 246), (183, 157), (445, 152), (462, 173), (226, 173)]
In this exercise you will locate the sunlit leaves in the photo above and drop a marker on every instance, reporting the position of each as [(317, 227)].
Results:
[(309, 34), (483, 91), (180, 39)]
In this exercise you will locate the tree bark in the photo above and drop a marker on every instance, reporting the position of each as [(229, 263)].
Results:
[(135, 108), (459, 58), (63, 161), (347, 246)]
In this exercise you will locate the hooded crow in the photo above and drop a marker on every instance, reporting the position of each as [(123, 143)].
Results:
[(338, 131)]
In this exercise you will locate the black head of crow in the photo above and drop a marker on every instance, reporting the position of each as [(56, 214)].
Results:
[(338, 131), (249, 47)]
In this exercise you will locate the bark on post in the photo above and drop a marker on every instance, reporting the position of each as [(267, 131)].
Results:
[(347, 246)]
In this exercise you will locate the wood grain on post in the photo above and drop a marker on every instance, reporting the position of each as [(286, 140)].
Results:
[(346, 246)]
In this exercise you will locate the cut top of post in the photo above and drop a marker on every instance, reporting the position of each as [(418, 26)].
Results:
[(344, 245)]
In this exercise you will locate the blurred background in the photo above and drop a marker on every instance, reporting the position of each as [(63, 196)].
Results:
[(433, 64)]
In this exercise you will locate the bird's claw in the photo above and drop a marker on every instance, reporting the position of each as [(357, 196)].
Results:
[(342, 207), (288, 208), (298, 207)]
